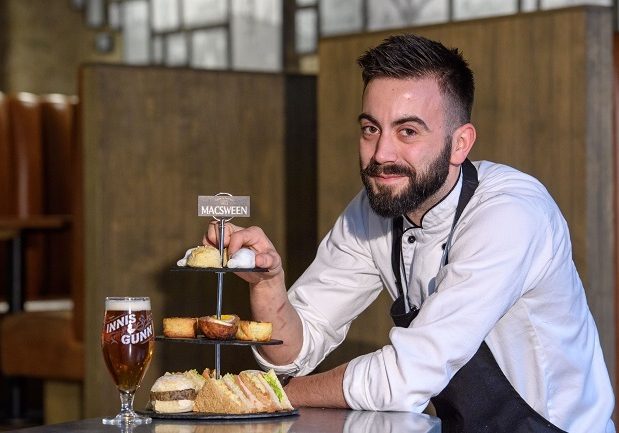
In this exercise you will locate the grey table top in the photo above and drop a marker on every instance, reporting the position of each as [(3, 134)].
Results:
[(309, 420)]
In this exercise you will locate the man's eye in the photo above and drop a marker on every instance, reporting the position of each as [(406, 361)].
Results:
[(369, 129), (408, 132)]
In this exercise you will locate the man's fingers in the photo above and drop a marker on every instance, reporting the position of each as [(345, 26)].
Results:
[(251, 237), (236, 237), (268, 260), (212, 235)]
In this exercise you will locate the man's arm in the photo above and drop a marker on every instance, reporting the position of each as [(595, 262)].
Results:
[(269, 303), (318, 390)]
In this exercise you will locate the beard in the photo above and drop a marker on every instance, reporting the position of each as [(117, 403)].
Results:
[(421, 186)]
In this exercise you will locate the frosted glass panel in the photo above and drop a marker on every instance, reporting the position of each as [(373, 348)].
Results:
[(95, 13), (209, 49), (340, 16), (256, 35), (204, 12), (269, 11), (550, 4), (136, 33), (389, 14), (165, 15), (467, 9), (529, 5), (176, 49), (113, 16), (305, 31)]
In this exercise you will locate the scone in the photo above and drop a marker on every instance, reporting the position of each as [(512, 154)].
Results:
[(254, 331), (206, 257), (180, 327)]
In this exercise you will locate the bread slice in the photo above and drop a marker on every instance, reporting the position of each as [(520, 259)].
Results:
[(172, 406), (216, 397), (251, 403)]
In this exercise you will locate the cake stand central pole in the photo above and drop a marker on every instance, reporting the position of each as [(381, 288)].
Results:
[(220, 275), (220, 286)]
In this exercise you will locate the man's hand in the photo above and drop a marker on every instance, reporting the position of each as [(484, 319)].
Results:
[(318, 390), (267, 296), (236, 237)]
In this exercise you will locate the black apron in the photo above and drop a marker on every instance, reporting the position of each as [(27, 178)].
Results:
[(478, 398)]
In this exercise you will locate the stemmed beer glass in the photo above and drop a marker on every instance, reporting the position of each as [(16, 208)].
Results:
[(127, 341)]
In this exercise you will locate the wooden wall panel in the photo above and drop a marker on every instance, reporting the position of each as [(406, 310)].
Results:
[(153, 140), (31, 62), (616, 178), (543, 105)]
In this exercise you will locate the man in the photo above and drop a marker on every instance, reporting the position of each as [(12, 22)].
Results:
[(492, 323)]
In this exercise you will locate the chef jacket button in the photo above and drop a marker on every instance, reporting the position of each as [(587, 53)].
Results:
[(443, 246), (411, 239)]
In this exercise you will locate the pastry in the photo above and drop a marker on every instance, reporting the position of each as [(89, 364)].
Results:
[(180, 327), (219, 329), (206, 256), (254, 331)]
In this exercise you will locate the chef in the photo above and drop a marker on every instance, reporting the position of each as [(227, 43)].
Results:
[(491, 322)]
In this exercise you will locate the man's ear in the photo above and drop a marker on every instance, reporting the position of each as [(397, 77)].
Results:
[(462, 142)]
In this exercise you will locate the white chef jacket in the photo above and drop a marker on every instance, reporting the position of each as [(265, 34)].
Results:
[(510, 282)]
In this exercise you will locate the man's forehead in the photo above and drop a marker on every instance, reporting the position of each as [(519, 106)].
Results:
[(425, 80), (403, 97), (421, 85)]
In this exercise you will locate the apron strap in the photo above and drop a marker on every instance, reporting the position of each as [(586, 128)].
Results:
[(396, 250), (469, 185)]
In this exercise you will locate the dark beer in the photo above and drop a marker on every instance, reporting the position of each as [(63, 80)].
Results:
[(127, 340)]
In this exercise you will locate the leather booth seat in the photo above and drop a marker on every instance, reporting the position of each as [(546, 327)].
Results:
[(38, 150), (41, 345)]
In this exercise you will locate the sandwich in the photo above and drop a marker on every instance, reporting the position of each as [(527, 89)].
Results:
[(196, 378), (267, 389), (173, 393), (251, 391)]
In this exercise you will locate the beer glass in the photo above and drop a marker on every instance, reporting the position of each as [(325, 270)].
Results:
[(127, 341)]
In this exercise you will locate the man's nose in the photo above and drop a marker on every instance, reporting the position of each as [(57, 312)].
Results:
[(385, 150)]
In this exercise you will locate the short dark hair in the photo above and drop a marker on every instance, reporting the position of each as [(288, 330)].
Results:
[(412, 56)]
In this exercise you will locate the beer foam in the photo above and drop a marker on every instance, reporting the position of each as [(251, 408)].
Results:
[(127, 304)]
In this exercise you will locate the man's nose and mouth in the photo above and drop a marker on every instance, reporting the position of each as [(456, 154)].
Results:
[(388, 173)]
